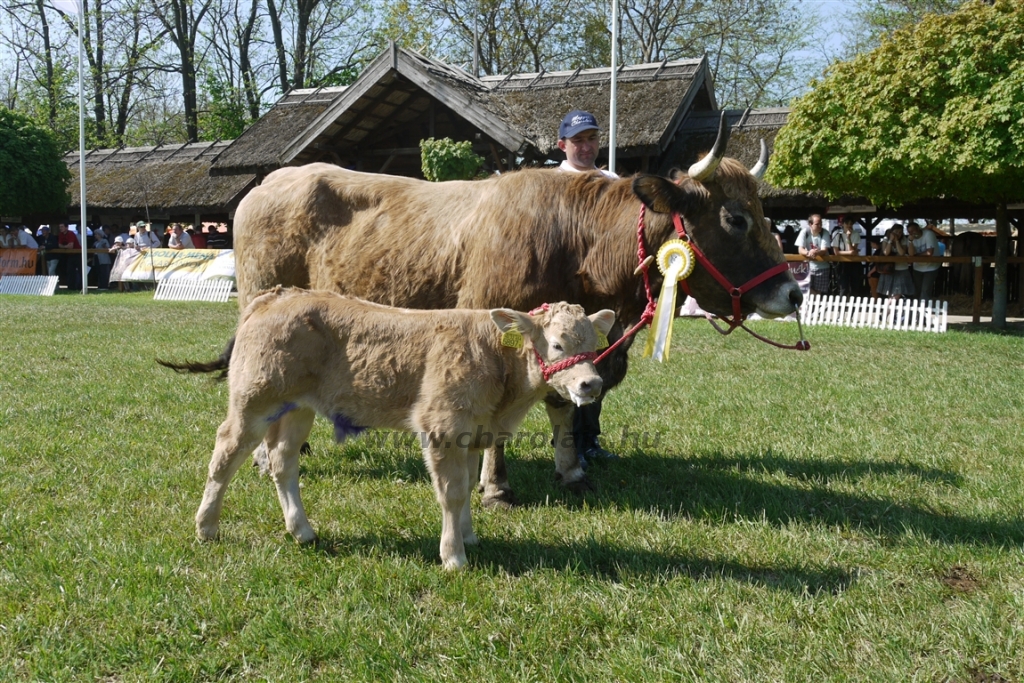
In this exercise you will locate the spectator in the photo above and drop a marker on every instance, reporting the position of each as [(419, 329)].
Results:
[(7, 238), (179, 239), (924, 243), (898, 283), (198, 241), (846, 242), (102, 259), (814, 243), (72, 263), (49, 241), (144, 237), (215, 239), (25, 238), (877, 269)]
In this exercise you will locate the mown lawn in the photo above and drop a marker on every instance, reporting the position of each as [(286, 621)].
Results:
[(854, 513)]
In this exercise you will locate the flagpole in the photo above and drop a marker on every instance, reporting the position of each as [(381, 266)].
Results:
[(613, 113), (81, 152)]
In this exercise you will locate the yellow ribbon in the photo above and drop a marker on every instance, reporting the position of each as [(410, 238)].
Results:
[(675, 261)]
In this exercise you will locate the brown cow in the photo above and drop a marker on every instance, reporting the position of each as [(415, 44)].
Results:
[(444, 374), (514, 240)]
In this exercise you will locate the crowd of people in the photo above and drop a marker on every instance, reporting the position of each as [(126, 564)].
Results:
[(906, 279), (104, 242)]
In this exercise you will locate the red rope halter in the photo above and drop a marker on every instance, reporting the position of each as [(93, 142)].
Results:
[(548, 370), (735, 292)]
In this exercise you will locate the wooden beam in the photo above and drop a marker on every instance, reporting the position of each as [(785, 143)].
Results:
[(497, 157)]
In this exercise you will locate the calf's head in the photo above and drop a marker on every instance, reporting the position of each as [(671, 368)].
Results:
[(717, 200), (561, 339)]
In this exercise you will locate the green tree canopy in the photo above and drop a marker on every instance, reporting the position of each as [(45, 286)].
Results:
[(936, 109), (35, 177)]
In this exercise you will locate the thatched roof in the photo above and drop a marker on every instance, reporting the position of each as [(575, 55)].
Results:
[(168, 179), (403, 97)]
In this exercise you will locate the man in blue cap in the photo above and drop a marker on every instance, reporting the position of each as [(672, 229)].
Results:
[(579, 137)]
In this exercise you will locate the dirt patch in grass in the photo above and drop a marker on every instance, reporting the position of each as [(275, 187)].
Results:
[(960, 580)]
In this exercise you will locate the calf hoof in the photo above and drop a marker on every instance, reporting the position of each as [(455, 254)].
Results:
[(207, 533), (504, 499), (304, 536), (454, 564), (470, 539)]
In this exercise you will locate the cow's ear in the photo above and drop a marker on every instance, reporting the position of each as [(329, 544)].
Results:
[(508, 320), (664, 196), (603, 321)]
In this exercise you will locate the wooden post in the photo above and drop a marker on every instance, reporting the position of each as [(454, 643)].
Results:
[(977, 289)]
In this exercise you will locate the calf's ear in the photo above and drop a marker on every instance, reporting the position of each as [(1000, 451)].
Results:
[(661, 195), (508, 320), (603, 321)]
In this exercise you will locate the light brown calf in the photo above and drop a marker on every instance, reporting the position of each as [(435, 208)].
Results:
[(444, 374)]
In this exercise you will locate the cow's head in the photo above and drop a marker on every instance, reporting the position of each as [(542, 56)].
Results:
[(718, 202), (562, 339)]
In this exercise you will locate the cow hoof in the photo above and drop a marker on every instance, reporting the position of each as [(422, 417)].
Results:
[(470, 539), (305, 537), (206, 534), (504, 499), (578, 485)]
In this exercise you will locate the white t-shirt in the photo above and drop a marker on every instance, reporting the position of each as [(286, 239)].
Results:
[(839, 241), (927, 240), (807, 239), (566, 166), (185, 241), (27, 240)]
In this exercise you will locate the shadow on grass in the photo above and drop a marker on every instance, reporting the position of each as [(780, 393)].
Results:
[(726, 487), (597, 560)]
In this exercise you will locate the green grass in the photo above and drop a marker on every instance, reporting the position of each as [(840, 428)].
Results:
[(854, 513)]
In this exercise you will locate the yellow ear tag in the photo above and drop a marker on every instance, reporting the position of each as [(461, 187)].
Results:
[(512, 339), (602, 341)]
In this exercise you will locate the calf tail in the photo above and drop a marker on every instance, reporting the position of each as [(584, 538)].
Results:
[(191, 367)]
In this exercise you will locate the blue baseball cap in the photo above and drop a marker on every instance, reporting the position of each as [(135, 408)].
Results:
[(575, 122)]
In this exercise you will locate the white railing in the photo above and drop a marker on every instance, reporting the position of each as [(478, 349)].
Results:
[(193, 290), (885, 314), (35, 285)]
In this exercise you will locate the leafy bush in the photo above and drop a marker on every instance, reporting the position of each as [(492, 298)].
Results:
[(446, 159), (35, 175)]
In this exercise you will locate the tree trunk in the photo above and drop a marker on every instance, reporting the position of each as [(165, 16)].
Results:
[(282, 57), (51, 91), (249, 85), (1001, 288)]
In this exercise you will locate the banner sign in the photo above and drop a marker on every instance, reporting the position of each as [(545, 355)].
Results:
[(19, 261), (153, 265)]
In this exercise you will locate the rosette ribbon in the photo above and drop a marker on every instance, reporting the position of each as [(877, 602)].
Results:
[(675, 261)]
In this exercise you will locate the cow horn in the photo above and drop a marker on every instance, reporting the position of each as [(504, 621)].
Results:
[(762, 163), (704, 169)]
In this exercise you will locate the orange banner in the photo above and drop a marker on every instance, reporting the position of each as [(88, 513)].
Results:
[(18, 261)]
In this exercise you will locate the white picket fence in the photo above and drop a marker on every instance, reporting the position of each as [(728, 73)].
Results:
[(885, 314), (35, 285), (193, 290)]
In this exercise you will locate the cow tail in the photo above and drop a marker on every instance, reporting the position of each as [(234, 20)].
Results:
[(191, 367)]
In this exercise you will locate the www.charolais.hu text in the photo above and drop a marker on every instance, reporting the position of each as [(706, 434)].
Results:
[(485, 439)]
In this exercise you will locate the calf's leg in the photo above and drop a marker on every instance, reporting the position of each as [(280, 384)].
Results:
[(236, 437), (449, 472), (284, 439), (465, 518)]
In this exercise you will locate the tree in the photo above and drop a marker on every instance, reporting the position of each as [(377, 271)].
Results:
[(182, 20), (35, 175), (934, 110)]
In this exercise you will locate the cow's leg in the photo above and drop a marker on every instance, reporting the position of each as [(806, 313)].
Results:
[(450, 474), (235, 440), (494, 488), (567, 465), (284, 439), (466, 519)]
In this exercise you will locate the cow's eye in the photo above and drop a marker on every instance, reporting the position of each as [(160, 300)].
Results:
[(738, 221), (556, 346)]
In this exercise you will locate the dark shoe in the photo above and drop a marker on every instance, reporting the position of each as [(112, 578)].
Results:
[(595, 454)]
